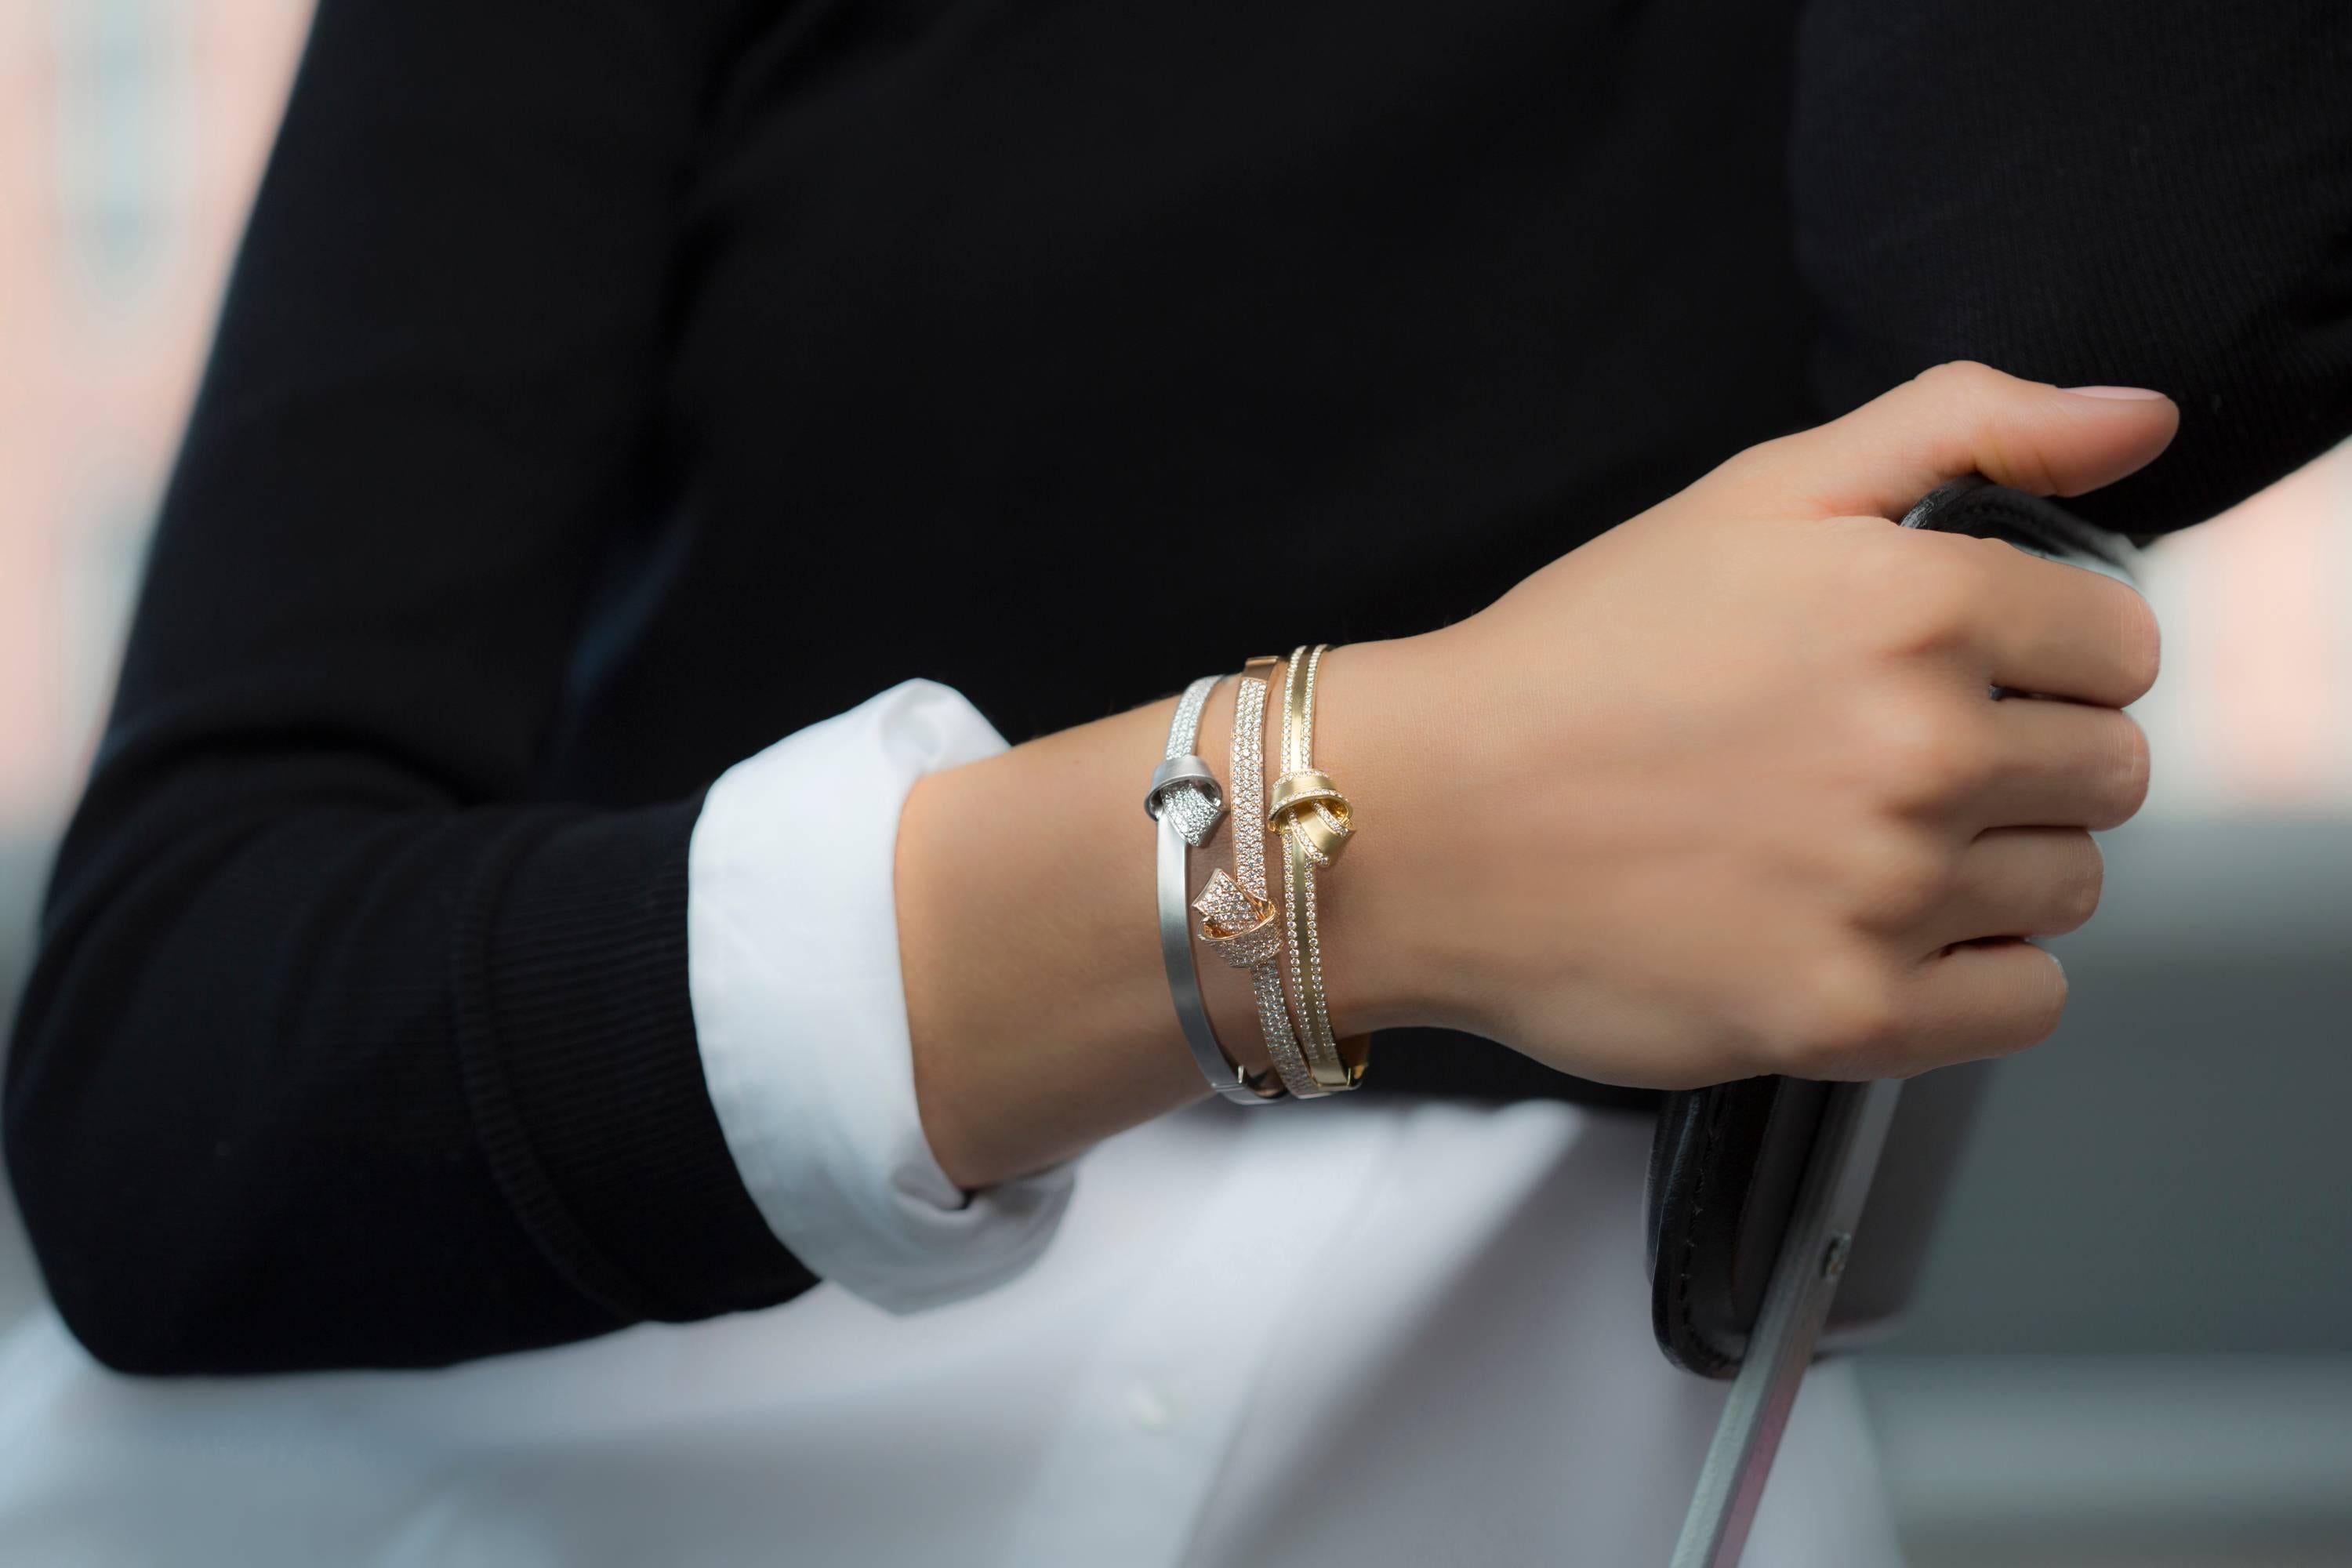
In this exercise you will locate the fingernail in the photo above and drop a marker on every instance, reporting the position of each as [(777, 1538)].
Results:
[(2124, 394)]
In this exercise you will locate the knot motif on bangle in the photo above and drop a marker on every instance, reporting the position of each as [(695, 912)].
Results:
[(1185, 792), (1185, 802), (1236, 924), (1308, 801)]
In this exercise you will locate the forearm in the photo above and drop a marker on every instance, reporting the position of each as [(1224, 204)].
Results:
[(1036, 999), (330, 1086)]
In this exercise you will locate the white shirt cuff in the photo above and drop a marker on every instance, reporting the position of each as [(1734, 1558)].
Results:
[(793, 968)]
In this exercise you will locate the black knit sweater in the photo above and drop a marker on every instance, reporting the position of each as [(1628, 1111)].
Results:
[(606, 390)]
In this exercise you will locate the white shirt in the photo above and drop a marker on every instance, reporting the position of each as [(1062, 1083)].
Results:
[(1131, 1361)]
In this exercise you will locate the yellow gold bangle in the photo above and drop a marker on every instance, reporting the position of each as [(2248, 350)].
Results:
[(1316, 822)]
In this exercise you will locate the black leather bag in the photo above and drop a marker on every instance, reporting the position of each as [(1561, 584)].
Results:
[(1726, 1160)]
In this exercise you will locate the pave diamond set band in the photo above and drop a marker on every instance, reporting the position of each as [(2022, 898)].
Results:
[(1184, 804), (1240, 921), (1316, 822)]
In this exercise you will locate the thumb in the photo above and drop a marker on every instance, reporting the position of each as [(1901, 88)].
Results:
[(1962, 418)]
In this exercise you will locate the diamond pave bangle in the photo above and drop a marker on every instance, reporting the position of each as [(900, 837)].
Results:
[(1316, 824), (1185, 802), (1238, 921)]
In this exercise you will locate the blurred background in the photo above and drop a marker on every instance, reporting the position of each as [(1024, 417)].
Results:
[(2133, 1344)]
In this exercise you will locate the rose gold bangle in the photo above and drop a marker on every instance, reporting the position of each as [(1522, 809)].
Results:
[(1238, 921)]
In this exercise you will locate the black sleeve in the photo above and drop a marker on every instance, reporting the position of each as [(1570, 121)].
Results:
[(339, 1052), (2155, 193)]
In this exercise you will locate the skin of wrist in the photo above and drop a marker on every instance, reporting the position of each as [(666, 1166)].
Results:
[(1037, 1007)]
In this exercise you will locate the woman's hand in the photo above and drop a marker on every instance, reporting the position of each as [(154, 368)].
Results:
[(1724, 792), (1721, 793)]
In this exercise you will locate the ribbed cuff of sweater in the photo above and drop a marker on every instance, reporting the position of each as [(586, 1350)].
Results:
[(586, 1083)]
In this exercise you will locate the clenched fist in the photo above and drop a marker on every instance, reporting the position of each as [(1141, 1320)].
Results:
[(1726, 791)]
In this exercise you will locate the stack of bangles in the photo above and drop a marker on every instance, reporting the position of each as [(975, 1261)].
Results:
[(1242, 920)]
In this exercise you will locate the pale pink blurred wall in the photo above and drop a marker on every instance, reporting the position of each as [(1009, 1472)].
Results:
[(2256, 699), (131, 132)]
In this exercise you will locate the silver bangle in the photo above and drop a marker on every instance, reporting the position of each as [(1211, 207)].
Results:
[(1184, 804)]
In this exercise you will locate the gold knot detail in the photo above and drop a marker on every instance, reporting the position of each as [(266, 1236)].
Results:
[(1309, 803)]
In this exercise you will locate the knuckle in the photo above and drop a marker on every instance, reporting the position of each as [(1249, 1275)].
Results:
[(1986, 554), (1976, 397), (2140, 640), (1850, 1020), (1927, 757), (2045, 1008), (1869, 568), (1923, 595), (2111, 777), (1959, 375), (1898, 881), (1762, 457), (2081, 882), (2029, 1014), (2134, 767), (2016, 456)]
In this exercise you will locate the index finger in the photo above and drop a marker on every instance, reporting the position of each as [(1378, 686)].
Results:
[(1957, 419), (2059, 630)]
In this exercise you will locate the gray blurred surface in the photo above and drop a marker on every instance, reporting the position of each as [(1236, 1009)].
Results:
[(2089, 1461), (2173, 1171), (2132, 1341), (23, 868)]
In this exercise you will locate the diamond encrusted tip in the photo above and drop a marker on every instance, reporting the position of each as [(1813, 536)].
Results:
[(1226, 906), (1191, 809), (1192, 813), (1241, 928)]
